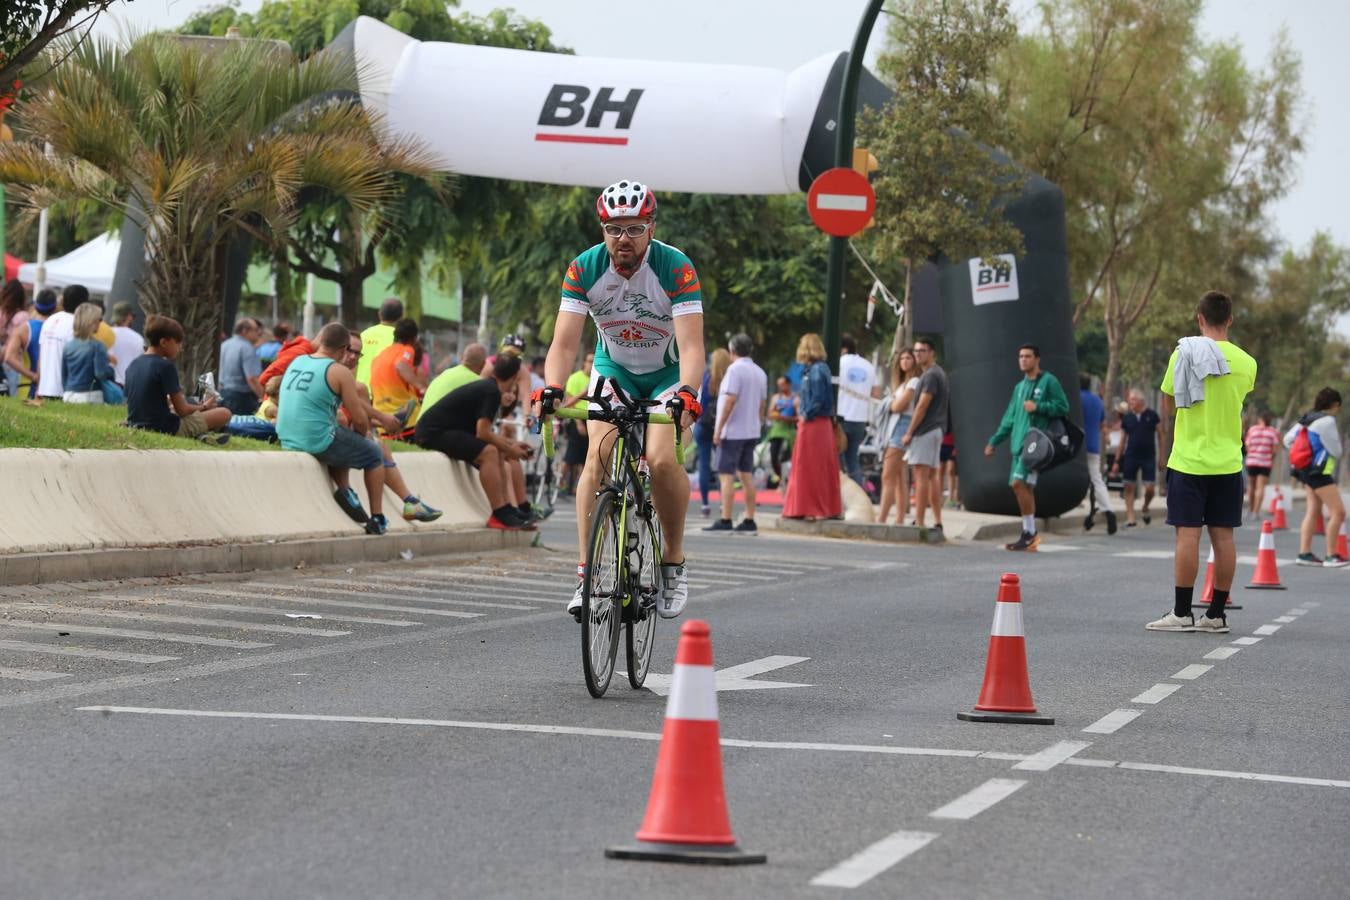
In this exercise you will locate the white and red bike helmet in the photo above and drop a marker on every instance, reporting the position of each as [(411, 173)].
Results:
[(623, 199)]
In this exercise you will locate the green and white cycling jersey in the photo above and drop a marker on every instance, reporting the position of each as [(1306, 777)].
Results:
[(635, 316)]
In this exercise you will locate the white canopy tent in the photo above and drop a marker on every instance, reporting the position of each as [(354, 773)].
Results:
[(91, 265)]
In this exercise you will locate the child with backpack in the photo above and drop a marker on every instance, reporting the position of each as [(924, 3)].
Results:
[(1314, 446)]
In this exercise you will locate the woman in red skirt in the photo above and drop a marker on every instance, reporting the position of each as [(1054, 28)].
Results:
[(813, 483)]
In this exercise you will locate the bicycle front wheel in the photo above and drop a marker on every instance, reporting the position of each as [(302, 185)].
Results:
[(641, 631), (604, 589)]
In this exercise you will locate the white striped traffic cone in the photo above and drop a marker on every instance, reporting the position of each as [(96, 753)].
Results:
[(687, 817), (1006, 693), (1207, 593)]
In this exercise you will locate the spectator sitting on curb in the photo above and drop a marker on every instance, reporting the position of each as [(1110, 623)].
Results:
[(290, 351), (376, 338), (395, 382), (311, 392), (25, 339), (240, 386), (56, 332), (460, 426), (155, 398), (413, 508), (267, 351), (84, 363), (467, 372)]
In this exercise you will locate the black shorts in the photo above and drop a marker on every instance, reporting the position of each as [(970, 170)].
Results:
[(1316, 482), (460, 445), (1195, 501), (736, 456), (1132, 466), (1258, 471), (574, 454), (947, 453)]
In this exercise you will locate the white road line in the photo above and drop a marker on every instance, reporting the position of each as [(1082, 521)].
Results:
[(1267, 629), (484, 584), (870, 862), (1221, 652), (31, 674), (1247, 641), (1156, 694), (1146, 554), (1191, 672), (1052, 756), (133, 634), (767, 566), (1243, 776), (1297, 612), (186, 620), (1285, 620), (760, 666), (345, 604), (1311, 604), (268, 611), (113, 655), (1058, 548), (380, 595), (1113, 721), (971, 804)]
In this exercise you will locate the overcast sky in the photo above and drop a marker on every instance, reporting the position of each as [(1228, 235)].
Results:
[(784, 35)]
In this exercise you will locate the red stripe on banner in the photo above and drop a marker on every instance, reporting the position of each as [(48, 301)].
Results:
[(581, 139)]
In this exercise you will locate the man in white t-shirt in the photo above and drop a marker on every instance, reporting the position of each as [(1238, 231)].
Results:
[(740, 421), (57, 331), (127, 341), (857, 389)]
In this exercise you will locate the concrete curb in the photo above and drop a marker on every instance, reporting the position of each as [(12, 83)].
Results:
[(838, 528), (152, 562)]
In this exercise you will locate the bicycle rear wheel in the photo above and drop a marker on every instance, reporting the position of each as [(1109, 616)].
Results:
[(604, 589), (641, 631)]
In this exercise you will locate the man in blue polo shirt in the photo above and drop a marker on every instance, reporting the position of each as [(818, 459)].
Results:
[(1094, 413)]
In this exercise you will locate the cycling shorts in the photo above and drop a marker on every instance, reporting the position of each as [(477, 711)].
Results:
[(659, 385)]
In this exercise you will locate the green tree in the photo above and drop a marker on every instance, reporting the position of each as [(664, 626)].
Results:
[(1152, 133), (420, 218), (28, 26), (202, 143), (939, 187)]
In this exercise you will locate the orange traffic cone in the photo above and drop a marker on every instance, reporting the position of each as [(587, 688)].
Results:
[(686, 817), (1342, 548), (1320, 525), (1275, 499), (1267, 577), (1207, 594), (1281, 521), (1006, 694)]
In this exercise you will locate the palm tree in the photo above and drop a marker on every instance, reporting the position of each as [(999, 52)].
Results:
[(204, 141)]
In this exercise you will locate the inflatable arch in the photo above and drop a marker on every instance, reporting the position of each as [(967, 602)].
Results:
[(559, 119)]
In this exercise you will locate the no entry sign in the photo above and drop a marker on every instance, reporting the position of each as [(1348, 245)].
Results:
[(841, 202)]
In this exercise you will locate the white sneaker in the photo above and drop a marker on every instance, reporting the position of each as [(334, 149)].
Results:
[(578, 599), (674, 590), (1213, 626), (1172, 622)]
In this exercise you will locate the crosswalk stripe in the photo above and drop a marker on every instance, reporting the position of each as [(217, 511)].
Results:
[(346, 604), (393, 596), (766, 565), (31, 674), (172, 637), (268, 611), (113, 655), (188, 620), (498, 581), (548, 587)]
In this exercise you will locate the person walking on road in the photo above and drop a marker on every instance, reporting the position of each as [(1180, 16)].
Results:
[(858, 388), (1037, 398), (1094, 411), (813, 483), (1319, 477), (1140, 450), (1262, 443), (739, 425), (1207, 380), (923, 440)]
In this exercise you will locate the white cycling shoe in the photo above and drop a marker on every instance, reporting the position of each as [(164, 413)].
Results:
[(674, 590), (578, 600)]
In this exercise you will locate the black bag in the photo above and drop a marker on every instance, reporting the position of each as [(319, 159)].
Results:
[(1056, 444)]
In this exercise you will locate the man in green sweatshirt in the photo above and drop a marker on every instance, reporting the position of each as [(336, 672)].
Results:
[(1036, 400)]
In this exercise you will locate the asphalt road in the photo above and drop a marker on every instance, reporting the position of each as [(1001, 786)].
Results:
[(461, 756)]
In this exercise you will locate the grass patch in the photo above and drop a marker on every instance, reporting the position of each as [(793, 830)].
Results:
[(61, 426)]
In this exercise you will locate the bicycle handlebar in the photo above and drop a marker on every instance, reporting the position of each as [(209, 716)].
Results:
[(606, 414)]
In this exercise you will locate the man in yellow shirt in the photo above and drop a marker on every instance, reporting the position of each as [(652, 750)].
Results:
[(1206, 382), (471, 363), (377, 338)]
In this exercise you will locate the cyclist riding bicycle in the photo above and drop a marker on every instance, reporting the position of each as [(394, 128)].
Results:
[(644, 296)]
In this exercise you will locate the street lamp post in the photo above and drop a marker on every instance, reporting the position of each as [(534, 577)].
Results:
[(843, 157)]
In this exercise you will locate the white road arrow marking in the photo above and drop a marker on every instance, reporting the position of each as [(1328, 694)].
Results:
[(735, 678)]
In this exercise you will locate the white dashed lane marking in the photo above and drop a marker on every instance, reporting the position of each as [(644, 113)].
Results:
[(1157, 693), (973, 802), (1113, 721), (1052, 756), (1221, 652), (870, 862), (1191, 672), (1247, 641), (1267, 630)]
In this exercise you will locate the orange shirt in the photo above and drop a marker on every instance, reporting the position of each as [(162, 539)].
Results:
[(388, 390)]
